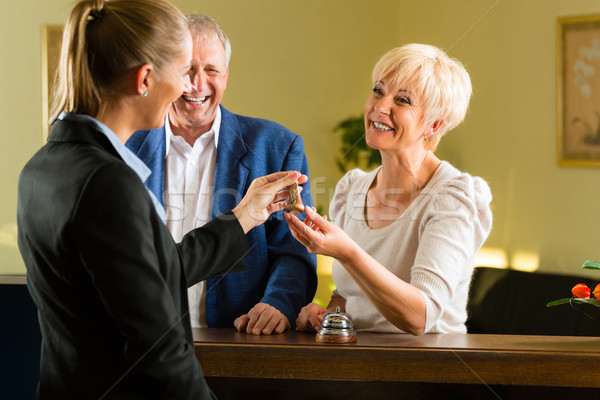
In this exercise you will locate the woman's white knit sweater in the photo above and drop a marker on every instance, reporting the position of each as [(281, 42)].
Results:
[(431, 245)]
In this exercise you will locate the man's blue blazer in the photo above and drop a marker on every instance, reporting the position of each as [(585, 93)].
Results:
[(282, 273)]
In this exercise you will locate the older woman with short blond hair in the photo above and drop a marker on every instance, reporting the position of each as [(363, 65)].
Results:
[(404, 236)]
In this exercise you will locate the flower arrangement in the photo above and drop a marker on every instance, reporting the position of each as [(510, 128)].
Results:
[(581, 292)]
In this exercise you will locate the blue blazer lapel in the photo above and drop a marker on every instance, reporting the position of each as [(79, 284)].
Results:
[(150, 147), (231, 175)]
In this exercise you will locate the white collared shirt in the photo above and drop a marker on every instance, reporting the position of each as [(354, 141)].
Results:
[(189, 176)]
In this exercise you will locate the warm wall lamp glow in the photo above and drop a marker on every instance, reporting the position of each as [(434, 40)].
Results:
[(486, 257), (525, 261), (491, 257)]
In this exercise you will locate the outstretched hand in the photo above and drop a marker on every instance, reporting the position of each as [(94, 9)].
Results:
[(320, 236), (265, 196)]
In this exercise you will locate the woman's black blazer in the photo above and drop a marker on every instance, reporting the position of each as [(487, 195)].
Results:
[(107, 278)]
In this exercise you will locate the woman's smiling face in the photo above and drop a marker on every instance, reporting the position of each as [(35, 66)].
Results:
[(393, 118)]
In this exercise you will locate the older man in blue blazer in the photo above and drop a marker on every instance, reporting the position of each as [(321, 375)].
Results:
[(203, 160)]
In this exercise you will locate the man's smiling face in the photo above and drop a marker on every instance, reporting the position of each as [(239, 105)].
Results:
[(208, 75)]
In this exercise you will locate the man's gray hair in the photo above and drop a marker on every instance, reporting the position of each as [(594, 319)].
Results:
[(206, 27)]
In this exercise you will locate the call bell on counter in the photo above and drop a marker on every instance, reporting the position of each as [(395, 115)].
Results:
[(336, 327)]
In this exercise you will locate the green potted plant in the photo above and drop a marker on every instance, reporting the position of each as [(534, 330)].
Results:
[(355, 151)]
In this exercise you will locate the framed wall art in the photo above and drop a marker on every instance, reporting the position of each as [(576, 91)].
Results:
[(578, 91), (51, 45)]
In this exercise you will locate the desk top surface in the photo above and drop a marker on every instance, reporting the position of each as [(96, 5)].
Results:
[(522, 343), (526, 360)]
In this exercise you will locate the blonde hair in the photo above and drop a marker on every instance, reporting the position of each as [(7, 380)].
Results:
[(442, 83), (103, 40), (203, 26)]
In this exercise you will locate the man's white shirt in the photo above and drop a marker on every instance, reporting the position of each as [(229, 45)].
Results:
[(189, 179)]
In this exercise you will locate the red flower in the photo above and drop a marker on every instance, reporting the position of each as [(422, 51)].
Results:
[(581, 291), (597, 292)]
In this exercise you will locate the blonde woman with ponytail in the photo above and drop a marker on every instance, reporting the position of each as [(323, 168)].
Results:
[(109, 282)]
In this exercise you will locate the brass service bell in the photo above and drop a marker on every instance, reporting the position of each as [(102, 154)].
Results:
[(336, 327)]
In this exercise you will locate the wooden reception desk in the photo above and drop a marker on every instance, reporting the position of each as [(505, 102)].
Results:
[(380, 366)]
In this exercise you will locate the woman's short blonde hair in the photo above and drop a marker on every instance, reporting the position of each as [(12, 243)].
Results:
[(442, 83)]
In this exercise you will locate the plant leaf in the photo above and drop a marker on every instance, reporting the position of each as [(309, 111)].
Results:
[(340, 165), (558, 302), (353, 144), (591, 265), (593, 302)]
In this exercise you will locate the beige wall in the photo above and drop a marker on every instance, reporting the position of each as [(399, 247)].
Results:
[(307, 65), (509, 137), (304, 64), (20, 107)]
